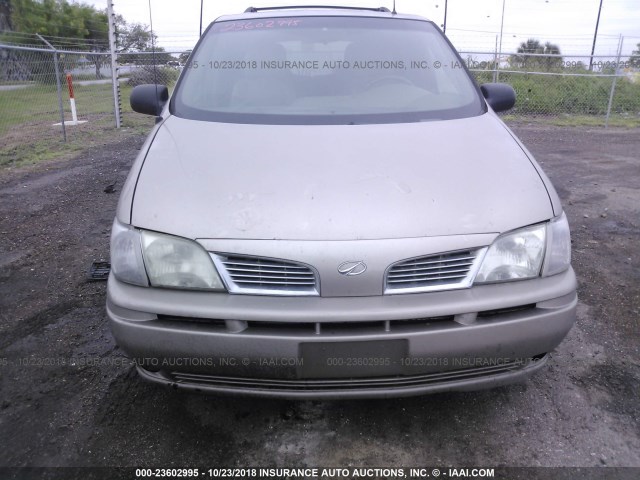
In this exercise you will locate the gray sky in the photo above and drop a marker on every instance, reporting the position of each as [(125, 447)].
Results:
[(471, 24)]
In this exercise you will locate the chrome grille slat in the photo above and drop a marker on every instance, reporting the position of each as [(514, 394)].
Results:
[(417, 262), (265, 276), (265, 282), (279, 277), (428, 274), (442, 271), (426, 279), (267, 265), (410, 269), (254, 270)]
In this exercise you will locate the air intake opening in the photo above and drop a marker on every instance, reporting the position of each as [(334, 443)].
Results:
[(266, 276), (433, 272)]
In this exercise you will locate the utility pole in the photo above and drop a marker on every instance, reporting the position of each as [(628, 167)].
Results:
[(500, 47), (444, 28), (595, 36), (114, 62), (201, 2)]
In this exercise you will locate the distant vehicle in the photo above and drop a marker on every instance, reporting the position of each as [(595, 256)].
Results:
[(329, 206), (173, 63)]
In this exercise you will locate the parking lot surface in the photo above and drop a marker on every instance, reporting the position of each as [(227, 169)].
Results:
[(68, 397)]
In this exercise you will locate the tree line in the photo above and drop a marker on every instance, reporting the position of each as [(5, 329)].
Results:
[(73, 26), (548, 58)]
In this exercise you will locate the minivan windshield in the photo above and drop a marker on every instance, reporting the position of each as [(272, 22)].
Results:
[(325, 70)]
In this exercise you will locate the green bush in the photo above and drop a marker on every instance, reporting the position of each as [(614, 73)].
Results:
[(627, 97), (554, 94)]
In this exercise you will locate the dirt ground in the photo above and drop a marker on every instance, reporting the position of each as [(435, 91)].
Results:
[(67, 398)]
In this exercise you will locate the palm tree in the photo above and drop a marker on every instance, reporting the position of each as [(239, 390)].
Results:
[(532, 45), (523, 59), (550, 62)]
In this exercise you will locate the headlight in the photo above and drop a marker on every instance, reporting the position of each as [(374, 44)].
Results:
[(520, 254), (126, 255), (514, 256), (178, 262), (144, 258), (558, 256)]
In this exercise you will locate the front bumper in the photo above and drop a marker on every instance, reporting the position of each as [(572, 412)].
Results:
[(342, 347)]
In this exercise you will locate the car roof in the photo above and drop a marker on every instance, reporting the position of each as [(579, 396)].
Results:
[(252, 13)]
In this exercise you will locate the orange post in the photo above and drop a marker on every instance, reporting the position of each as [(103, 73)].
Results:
[(72, 99)]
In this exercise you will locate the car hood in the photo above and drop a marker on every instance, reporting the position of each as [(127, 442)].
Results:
[(337, 182)]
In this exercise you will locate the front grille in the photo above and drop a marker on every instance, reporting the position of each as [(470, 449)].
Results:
[(434, 272), (379, 327), (263, 327), (266, 276), (382, 383), (351, 328)]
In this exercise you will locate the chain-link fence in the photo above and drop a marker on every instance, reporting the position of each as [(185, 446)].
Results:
[(601, 87), (35, 90), (140, 68), (35, 95)]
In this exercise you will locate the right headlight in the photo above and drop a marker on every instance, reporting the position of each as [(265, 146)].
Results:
[(514, 256), (543, 249), (558, 256)]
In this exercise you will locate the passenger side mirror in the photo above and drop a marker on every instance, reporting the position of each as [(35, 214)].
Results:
[(499, 96), (149, 99)]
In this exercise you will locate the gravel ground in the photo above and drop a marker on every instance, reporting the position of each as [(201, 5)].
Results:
[(67, 398)]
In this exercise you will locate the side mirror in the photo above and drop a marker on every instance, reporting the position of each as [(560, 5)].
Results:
[(149, 99), (499, 96)]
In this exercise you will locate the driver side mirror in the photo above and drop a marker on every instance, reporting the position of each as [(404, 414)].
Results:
[(499, 96), (149, 99)]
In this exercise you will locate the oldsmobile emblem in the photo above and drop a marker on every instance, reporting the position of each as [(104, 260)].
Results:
[(351, 269)]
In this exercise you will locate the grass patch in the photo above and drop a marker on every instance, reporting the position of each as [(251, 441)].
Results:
[(558, 95), (616, 121), (40, 102), (27, 133), (29, 144), (38, 151)]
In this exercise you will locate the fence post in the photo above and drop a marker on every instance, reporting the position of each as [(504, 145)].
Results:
[(495, 62), (58, 87), (613, 84), (114, 64)]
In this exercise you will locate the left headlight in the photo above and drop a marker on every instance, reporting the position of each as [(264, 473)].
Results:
[(177, 262), (126, 255), (527, 253), (147, 258)]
